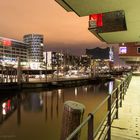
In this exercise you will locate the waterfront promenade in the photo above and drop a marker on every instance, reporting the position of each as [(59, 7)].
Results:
[(127, 127)]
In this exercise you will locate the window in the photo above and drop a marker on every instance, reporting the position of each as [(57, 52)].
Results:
[(138, 50)]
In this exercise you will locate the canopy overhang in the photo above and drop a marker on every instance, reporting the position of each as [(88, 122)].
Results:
[(132, 16)]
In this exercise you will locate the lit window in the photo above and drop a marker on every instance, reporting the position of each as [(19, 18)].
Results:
[(122, 50)]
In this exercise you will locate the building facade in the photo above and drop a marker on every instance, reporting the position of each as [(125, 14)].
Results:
[(101, 58), (35, 49), (130, 53), (11, 49), (54, 60), (61, 60)]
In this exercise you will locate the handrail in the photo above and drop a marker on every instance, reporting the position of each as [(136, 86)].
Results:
[(78, 128), (100, 105), (120, 89)]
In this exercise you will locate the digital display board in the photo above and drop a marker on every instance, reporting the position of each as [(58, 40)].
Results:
[(108, 22), (122, 50), (7, 42)]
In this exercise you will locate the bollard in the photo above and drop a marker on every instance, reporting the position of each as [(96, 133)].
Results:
[(72, 117)]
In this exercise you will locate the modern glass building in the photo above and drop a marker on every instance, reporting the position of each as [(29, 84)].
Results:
[(35, 49), (11, 49)]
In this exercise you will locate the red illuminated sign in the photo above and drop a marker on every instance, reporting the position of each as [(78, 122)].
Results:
[(7, 42), (98, 18)]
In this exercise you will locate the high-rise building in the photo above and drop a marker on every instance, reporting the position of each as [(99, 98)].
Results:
[(35, 49)]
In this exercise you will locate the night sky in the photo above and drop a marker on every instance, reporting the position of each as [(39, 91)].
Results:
[(62, 30)]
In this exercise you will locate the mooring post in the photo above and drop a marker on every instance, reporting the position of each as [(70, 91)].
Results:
[(72, 117)]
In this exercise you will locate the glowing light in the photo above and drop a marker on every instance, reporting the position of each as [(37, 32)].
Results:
[(98, 18), (122, 50), (7, 43), (59, 93), (4, 109), (110, 87), (41, 44), (76, 91), (85, 89)]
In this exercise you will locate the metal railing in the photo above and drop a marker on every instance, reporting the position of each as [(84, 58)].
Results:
[(113, 101)]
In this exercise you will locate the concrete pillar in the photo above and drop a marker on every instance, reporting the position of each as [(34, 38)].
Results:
[(72, 117), (19, 72)]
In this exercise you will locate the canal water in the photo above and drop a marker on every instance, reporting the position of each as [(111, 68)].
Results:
[(37, 114)]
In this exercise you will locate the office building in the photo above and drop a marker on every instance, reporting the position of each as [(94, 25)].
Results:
[(11, 49), (35, 49), (54, 60)]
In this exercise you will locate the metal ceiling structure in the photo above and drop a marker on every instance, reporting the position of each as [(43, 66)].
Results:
[(130, 8)]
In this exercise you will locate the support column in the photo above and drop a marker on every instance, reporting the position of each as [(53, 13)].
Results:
[(19, 72)]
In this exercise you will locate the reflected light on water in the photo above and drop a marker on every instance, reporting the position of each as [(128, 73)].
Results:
[(76, 92), (43, 110), (49, 93), (4, 110), (85, 89), (59, 93), (110, 88)]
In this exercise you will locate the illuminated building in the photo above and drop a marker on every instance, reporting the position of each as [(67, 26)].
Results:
[(54, 60), (130, 53), (59, 60), (102, 57), (35, 42), (11, 49), (85, 61), (35, 49)]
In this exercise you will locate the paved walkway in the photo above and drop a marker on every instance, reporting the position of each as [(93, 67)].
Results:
[(127, 127)]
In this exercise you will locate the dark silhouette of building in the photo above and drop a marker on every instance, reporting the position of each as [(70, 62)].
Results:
[(98, 53)]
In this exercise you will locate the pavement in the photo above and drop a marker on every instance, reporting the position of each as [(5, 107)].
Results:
[(127, 127)]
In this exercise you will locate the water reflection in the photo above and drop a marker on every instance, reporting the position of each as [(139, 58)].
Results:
[(42, 110), (8, 106), (76, 91), (110, 88), (32, 102)]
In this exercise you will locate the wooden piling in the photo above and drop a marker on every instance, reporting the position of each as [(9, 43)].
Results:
[(72, 117)]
